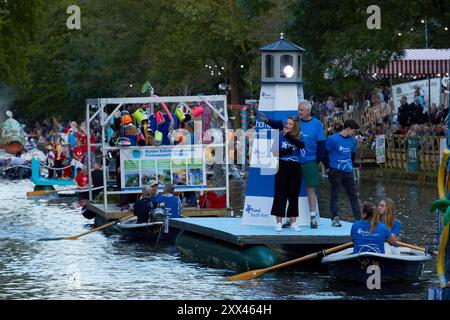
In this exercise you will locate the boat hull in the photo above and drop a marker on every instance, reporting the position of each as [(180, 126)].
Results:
[(145, 231), (393, 268)]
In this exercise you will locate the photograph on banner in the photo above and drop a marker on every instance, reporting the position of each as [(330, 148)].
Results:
[(148, 172), (131, 170), (196, 173), (179, 172), (164, 173)]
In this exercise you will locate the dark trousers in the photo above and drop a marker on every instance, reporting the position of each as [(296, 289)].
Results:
[(59, 165), (346, 179), (287, 187)]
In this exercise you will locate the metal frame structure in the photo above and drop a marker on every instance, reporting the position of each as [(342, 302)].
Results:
[(100, 105)]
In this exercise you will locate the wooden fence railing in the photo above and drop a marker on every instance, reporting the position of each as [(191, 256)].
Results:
[(428, 152)]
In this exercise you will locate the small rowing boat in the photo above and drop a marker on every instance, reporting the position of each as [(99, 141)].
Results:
[(153, 230), (404, 264)]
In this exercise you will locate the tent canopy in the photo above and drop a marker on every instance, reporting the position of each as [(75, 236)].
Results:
[(417, 62)]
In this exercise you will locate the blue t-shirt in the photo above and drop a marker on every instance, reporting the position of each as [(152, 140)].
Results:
[(172, 205), (340, 151), (311, 132), (364, 241), (156, 199), (396, 228), (283, 144)]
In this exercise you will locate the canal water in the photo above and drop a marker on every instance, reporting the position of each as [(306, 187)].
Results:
[(106, 266)]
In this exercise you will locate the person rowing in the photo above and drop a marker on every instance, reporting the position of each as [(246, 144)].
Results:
[(386, 214), (368, 234)]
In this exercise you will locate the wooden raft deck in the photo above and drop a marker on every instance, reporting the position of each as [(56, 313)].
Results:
[(231, 230), (113, 211)]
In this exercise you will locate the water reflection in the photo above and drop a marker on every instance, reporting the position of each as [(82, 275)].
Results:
[(108, 266)]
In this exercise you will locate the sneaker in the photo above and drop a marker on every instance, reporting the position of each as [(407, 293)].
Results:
[(295, 227), (287, 224), (313, 223), (278, 227), (336, 222)]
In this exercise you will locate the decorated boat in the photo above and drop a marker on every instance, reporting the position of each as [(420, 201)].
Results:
[(405, 265)]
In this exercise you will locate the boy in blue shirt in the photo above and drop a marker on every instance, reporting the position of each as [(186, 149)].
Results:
[(340, 154)]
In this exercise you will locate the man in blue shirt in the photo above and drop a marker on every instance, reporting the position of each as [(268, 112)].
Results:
[(340, 154), (172, 203), (313, 136)]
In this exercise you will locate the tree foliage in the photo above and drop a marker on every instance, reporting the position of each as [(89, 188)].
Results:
[(122, 44)]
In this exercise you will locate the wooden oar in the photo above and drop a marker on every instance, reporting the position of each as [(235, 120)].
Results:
[(406, 245), (256, 273), (45, 192), (129, 216)]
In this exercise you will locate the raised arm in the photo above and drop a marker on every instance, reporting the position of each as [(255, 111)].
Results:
[(274, 124)]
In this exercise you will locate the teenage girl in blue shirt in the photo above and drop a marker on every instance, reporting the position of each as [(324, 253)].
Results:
[(288, 177), (369, 234), (386, 214)]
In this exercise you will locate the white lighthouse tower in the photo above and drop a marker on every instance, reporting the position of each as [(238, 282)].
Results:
[(281, 91)]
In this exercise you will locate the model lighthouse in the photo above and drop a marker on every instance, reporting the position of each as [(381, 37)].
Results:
[(281, 91)]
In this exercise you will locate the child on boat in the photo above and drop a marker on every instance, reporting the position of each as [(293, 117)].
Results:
[(368, 234)]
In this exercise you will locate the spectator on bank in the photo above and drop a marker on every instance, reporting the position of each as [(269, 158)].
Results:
[(330, 105), (416, 112), (50, 161), (432, 116), (404, 116), (78, 156)]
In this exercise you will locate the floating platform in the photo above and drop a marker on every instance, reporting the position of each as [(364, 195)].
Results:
[(114, 212), (231, 230)]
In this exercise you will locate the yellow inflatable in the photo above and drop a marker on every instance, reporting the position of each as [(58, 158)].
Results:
[(442, 177)]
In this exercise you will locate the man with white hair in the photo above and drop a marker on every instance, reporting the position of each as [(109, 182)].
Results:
[(312, 133)]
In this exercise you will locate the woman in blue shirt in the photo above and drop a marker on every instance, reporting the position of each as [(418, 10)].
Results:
[(386, 214), (368, 234), (288, 177)]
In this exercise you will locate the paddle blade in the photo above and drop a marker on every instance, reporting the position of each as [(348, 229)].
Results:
[(50, 239), (246, 275), (39, 193)]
